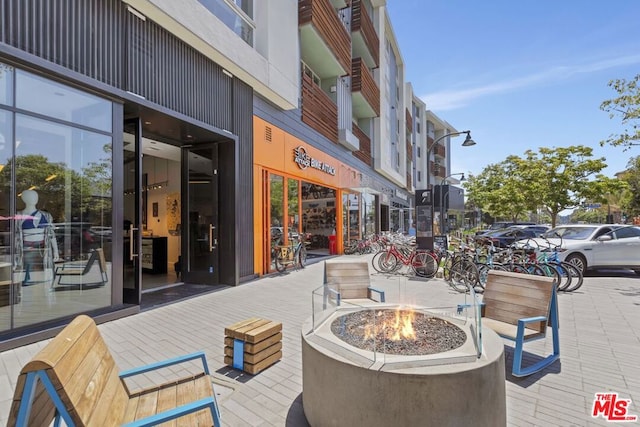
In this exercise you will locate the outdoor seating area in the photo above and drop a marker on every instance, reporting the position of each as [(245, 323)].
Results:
[(75, 379), (597, 356)]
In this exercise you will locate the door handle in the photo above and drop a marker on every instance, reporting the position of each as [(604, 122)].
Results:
[(212, 241), (131, 254)]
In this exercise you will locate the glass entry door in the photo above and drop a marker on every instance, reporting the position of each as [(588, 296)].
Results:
[(132, 215), (200, 215)]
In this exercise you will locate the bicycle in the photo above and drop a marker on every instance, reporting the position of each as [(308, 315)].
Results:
[(294, 254), (390, 260)]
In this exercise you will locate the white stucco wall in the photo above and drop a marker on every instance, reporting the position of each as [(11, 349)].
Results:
[(271, 68)]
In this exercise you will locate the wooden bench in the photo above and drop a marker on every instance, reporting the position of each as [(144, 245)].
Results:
[(349, 280), (75, 379), (522, 307), (253, 345)]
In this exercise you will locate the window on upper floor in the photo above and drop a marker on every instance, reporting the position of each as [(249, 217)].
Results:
[(419, 176), (419, 152), (417, 126), (235, 14), (309, 73)]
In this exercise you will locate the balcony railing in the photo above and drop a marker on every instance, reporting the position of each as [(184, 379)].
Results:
[(364, 34), (365, 91), (318, 110), (364, 153), (320, 16), (409, 183), (437, 170), (440, 150), (409, 121), (409, 151)]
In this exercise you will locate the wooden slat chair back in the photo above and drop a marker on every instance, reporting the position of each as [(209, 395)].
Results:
[(74, 269), (521, 308), (351, 279), (74, 378)]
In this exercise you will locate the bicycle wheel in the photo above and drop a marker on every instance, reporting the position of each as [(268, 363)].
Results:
[(424, 265), (566, 275), (376, 259), (281, 260), (302, 256), (387, 263), (576, 276), (458, 277), (551, 271)]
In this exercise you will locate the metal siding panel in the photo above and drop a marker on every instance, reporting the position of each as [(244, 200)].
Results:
[(243, 127)]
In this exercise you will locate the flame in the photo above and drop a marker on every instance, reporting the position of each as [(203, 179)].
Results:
[(400, 327)]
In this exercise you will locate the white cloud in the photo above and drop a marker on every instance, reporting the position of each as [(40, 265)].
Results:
[(453, 99)]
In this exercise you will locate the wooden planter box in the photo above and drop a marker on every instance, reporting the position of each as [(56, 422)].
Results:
[(253, 344)]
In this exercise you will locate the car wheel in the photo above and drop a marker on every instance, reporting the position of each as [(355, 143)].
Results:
[(637, 272), (578, 261)]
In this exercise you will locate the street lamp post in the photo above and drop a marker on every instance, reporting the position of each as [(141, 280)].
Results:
[(441, 203), (468, 142), (424, 198)]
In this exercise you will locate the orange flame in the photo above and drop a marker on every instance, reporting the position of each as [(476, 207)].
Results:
[(393, 329)]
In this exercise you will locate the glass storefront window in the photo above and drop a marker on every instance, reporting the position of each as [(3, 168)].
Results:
[(6, 84), (293, 207), (62, 191), (43, 96), (276, 213), (368, 214), (55, 200), (5, 219)]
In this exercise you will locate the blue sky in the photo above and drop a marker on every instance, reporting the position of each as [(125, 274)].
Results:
[(520, 74)]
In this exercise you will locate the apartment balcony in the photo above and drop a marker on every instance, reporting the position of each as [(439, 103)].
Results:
[(365, 40), (325, 44), (364, 153), (409, 151), (318, 110), (409, 121), (409, 183), (439, 171), (440, 150), (365, 93)]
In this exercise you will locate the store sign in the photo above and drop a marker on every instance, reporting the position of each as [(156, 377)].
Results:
[(303, 160)]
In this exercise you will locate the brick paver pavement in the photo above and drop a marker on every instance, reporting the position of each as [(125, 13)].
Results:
[(599, 340)]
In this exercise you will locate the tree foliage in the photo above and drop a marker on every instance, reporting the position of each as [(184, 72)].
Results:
[(551, 179), (626, 106)]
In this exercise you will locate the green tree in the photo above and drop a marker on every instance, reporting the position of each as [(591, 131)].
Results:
[(551, 179), (630, 202), (626, 106)]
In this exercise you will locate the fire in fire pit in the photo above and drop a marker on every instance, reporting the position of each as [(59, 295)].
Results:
[(400, 332)]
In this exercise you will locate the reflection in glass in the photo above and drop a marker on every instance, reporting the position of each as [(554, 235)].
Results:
[(368, 214), (40, 95), (231, 18), (6, 84), (62, 187), (276, 210), (11, 295), (293, 207)]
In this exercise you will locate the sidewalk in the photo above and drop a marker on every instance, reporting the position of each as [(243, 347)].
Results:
[(599, 338)]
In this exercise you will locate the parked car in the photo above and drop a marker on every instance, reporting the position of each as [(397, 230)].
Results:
[(596, 246), (501, 225), (506, 237)]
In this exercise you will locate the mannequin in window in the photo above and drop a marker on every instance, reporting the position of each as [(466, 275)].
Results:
[(36, 237)]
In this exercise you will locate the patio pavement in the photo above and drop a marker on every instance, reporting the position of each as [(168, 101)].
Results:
[(599, 340)]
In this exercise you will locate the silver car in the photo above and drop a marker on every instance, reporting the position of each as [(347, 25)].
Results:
[(595, 246)]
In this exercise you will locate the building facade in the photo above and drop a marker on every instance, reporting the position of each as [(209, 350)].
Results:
[(150, 143)]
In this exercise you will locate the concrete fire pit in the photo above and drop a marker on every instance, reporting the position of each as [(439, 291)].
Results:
[(348, 385)]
